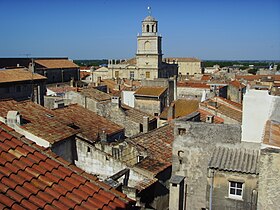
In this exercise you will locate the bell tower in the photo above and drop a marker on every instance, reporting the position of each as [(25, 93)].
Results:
[(149, 54)]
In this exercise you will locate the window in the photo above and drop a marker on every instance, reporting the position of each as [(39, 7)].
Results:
[(116, 74), (88, 149), (148, 27), (139, 158), (181, 131), (235, 190), (131, 75), (147, 74)]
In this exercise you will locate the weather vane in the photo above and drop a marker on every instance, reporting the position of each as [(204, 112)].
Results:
[(150, 11)]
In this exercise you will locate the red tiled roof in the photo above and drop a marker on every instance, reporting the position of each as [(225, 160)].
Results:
[(237, 84), (38, 120), (56, 63), (272, 133), (204, 114), (205, 77), (90, 123), (223, 106), (136, 115), (257, 77), (84, 74), (158, 145), (17, 75), (32, 178), (193, 85)]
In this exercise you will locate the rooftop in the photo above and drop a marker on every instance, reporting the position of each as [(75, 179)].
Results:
[(56, 63), (38, 120), (272, 133), (194, 85), (95, 94), (150, 91), (235, 160), (182, 107), (18, 75), (136, 115), (34, 178), (90, 123), (223, 106), (158, 145), (183, 59)]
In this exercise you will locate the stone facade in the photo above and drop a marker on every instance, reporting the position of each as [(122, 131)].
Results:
[(268, 197), (186, 66), (221, 199), (192, 149), (29, 86)]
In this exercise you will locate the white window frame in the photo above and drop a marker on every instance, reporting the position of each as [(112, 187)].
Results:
[(235, 196)]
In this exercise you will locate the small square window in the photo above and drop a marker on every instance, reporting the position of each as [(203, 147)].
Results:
[(235, 190)]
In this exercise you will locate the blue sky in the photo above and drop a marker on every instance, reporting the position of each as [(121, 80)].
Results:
[(96, 29)]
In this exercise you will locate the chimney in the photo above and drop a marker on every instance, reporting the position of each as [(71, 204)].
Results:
[(103, 136), (209, 118), (131, 82), (115, 100), (13, 119), (145, 124), (171, 112), (175, 88), (72, 82), (98, 81)]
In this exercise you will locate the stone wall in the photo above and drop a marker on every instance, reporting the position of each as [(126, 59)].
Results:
[(269, 179), (150, 106), (66, 149), (221, 199), (191, 153), (192, 93)]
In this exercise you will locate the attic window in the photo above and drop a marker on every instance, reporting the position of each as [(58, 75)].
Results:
[(49, 115)]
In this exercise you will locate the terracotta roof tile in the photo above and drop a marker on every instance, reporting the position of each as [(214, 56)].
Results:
[(44, 182), (224, 107), (272, 133), (40, 121), (201, 85), (158, 145), (150, 91), (18, 75), (56, 63), (89, 123), (136, 115)]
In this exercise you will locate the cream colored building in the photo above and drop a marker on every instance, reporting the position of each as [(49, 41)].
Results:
[(186, 66), (148, 62)]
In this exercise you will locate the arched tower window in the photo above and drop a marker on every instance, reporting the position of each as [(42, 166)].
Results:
[(153, 28), (148, 28)]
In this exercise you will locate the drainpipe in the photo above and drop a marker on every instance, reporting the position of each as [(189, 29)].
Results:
[(211, 189)]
